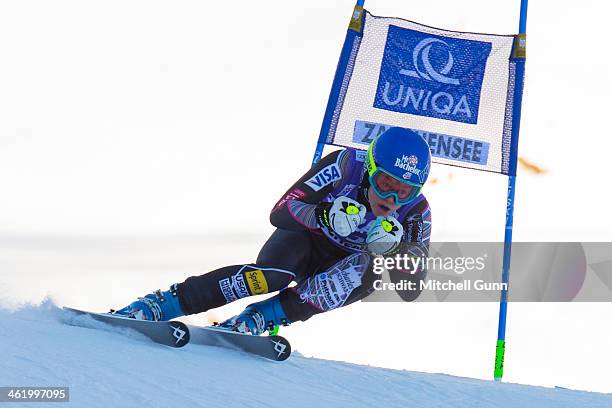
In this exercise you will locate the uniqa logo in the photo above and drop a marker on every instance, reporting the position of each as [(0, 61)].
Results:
[(429, 75), (422, 99), (422, 50), (420, 75)]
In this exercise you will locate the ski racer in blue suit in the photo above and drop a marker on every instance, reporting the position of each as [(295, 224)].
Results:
[(348, 208)]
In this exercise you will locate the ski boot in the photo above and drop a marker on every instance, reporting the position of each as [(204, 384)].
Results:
[(156, 306), (258, 317)]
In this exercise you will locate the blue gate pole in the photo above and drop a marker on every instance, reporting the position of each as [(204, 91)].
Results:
[(503, 304), (333, 96)]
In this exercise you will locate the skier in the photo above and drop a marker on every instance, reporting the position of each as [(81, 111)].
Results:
[(348, 208)]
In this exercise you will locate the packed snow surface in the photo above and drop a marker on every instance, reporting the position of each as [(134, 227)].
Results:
[(108, 367)]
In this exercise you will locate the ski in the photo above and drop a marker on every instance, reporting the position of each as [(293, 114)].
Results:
[(275, 348), (177, 334), (170, 333)]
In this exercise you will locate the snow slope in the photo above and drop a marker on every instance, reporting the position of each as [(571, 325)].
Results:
[(104, 368)]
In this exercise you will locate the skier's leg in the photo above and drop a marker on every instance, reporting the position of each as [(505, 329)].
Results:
[(347, 281), (222, 286), (283, 257)]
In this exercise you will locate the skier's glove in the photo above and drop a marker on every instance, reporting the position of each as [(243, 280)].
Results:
[(384, 236), (343, 216)]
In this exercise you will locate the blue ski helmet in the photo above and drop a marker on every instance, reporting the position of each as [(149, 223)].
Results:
[(399, 154)]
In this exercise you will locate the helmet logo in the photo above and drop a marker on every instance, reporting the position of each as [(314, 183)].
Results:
[(408, 163)]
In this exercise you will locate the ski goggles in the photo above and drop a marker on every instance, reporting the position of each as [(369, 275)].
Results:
[(387, 185)]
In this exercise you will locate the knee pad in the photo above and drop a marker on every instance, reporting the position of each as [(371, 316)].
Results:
[(331, 288)]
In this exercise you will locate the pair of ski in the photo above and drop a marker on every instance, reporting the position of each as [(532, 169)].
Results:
[(177, 334)]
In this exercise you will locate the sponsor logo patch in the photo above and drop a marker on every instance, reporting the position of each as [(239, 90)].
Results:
[(324, 177), (240, 285), (257, 282), (430, 75), (295, 194), (330, 290), (226, 288), (408, 163)]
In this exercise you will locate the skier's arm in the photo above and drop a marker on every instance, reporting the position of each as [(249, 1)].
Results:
[(417, 230), (415, 242), (296, 208)]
